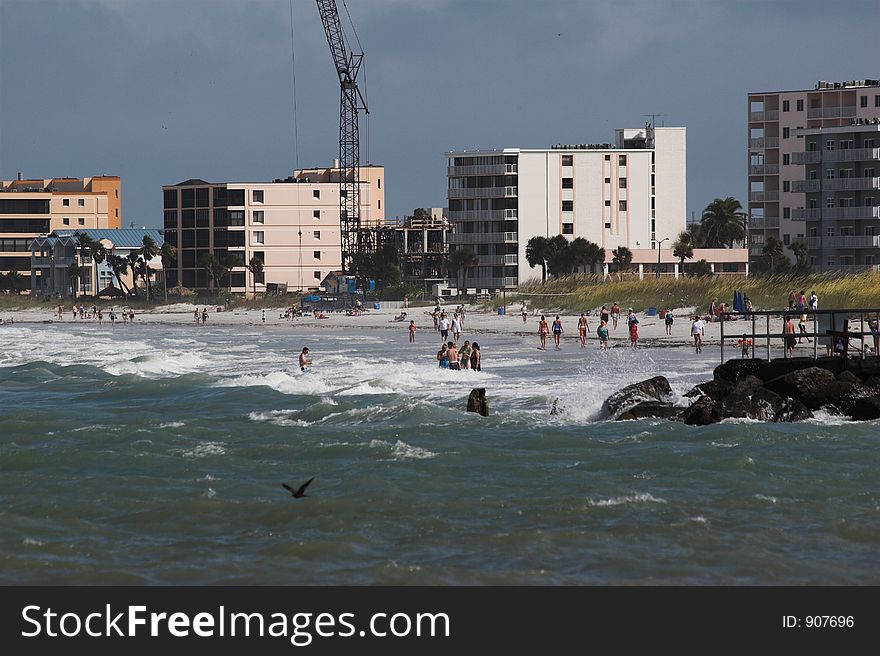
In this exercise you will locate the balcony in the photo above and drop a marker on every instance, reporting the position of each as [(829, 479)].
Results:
[(763, 196), (764, 223), (483, 192), (814, 214), (465, 238), (849, 155), (769, 115), (844, 241), (851, 184), (763, 169), (498, 260), (809, 157), (764, 142), (493, 283), (481, 169), (472, 215), (806, 186), (831, 112)]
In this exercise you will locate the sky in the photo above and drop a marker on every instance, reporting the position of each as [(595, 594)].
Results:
[(159, 91)]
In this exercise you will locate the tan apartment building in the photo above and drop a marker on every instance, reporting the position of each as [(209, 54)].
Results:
[(33, 207), (775, 123), (291, 225)]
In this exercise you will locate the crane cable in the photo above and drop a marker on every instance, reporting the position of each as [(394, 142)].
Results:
[(293, 78)]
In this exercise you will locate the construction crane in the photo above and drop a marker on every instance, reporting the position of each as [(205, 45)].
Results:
[(354, 239)]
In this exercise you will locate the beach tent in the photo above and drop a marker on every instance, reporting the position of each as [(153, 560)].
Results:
[(111, 292)]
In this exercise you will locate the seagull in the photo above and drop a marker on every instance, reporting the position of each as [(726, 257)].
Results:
[(301, 492)]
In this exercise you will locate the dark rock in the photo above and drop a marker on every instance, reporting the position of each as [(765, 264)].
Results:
[(866, 408), (649, 409), (714, 389), (750, 400), (557, 408), (793, 410), (732, 370), (477, 401), (848, 377), (873, 381), (835, 394), (803, 381), (701, 412), (653, 389)]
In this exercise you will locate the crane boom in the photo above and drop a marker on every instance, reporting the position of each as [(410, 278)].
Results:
[(348, 64)]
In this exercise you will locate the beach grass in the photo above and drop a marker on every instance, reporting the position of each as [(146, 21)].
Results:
[(578, 293)]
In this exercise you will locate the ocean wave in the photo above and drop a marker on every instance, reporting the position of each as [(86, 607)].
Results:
[(202, 450), (400, 450), (765, 497), (643, 497), (305, 384), (158, 365), (171, 424), (279, 418)]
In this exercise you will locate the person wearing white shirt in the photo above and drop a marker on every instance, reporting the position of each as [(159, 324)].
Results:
[(456, 327), (443, 325), (697, 332)]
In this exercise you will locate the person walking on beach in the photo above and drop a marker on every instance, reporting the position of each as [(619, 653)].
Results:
[(697, 329), (543, 330), (100, 314), (615, 314), (802, 328), (60, 312), (792, 299), (304, 359), (604, 316), (631, 318), (801, 302), (668, 319), (583, 328), (204, 316), (456, 327), (748, 304), (412, 332), (713, 310), (112, 317), (524, 312), (557, 331), (476, 357), (443, 325), (633, 332), (464, 355), (264, 316), (788, 330), (435, 316), (131, 315), (452, 354), (814, 301), (405, 303), (602, 332)]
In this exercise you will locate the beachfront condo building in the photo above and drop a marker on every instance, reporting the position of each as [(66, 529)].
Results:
[(630, 192), (30, 208), (775, 119), (839, 190), (291, 225)]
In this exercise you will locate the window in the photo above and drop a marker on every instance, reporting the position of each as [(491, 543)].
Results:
[(259, 216), (797, 130), (829, 145), (568, 206), (800, 105), (607, 158), (379, 204), (830, 203), (785, 133), (847, 144), (81, 202), (829, 174), (653, 225), (621, 160), (316, 234), (568, 183), (258, 196), (607, 180), (621, 205), (786, 159), (786, 185), (258, 236), (567, 160), (785, 105), (846, 231), (317, 275), (316, 214), (621, 182), (830, 260), (608, 226), (869, 143), (81, 221), (863, 101), (829, 231), (869, 201), (786, 213), (786, 240), (877, 101), (607, 203), (66, 202), (316, 255), (379, 182), (568, 228), (316, 193), (66, 220)]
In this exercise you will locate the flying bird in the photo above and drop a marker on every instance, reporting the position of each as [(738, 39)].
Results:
[(299, 492)]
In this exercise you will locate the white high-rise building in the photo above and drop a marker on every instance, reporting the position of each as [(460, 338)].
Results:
[(627, 193)]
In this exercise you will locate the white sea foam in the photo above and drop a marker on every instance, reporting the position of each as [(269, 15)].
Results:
[(172, 424), (203, 450), (31, 542), (158, 365), (400, 450), (211, 493), (765, 497), (699, 519), (299, 383), (643, 497), (279, 418)]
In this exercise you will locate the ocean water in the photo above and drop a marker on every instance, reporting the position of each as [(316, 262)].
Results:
[(155, 455)]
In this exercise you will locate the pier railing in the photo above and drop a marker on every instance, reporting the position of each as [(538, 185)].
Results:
[(834, 328)]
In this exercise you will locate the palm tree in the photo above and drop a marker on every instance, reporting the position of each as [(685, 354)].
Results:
[(74, 275), (459, 261), (14, 281), (595, 255), (255, 266), (622, 257), (95, 250), (216, 269), (169, 257), (801, 254), (580, 253), (148, 251), (723, 222), (683, 249), (538, 250), (119, 266), (773, 251)]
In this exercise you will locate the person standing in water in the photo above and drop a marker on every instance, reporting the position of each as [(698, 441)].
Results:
[(634, 332), (304, 360), (583, 328), (602, 332), (604, 316), (557, 331), (669, 319), (543, 330), (476, 357), (697, 333), (615, 314), (412, 332), (443, 357)]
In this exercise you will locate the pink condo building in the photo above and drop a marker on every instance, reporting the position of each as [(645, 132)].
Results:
[(777, 121), (291, 225)]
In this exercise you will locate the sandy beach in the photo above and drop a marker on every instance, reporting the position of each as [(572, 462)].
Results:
[(652, 330)]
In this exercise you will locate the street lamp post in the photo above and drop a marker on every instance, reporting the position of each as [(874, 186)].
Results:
[(659, 244)]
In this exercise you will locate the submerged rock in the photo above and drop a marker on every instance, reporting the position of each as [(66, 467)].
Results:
[(866, 408), (653, 389), (793, 410), (651, 409), (701, 412)]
